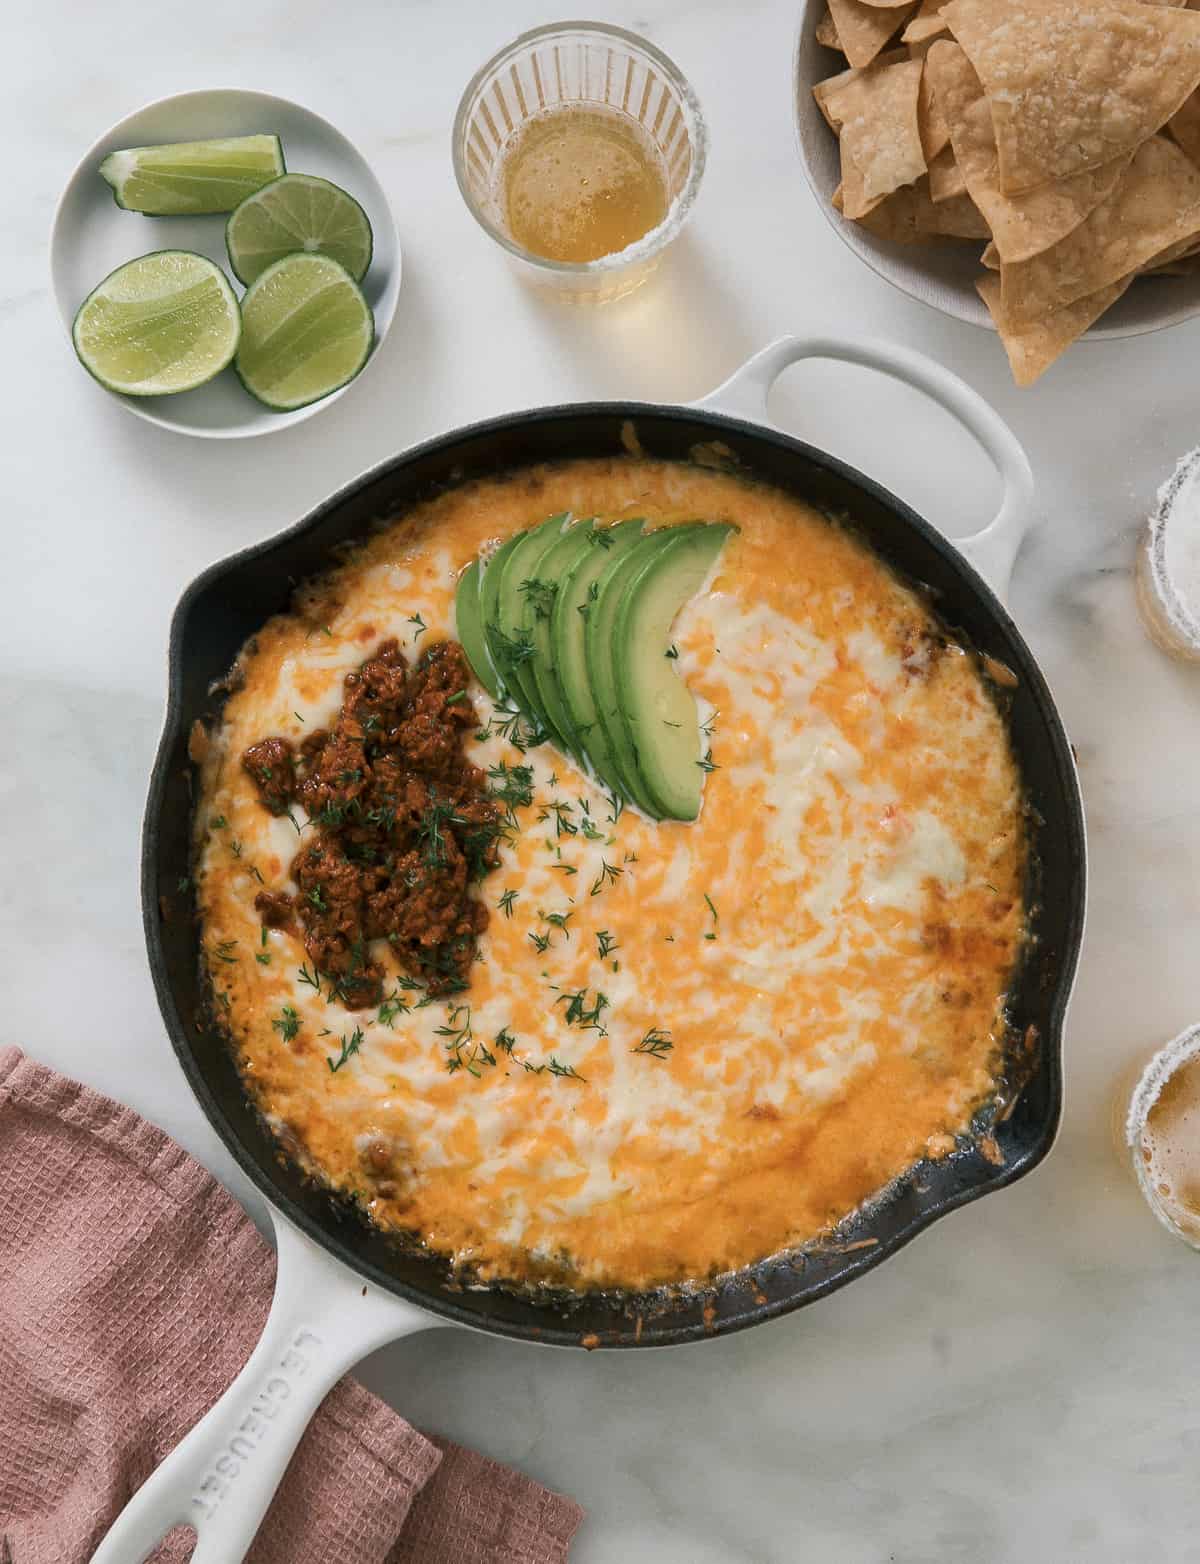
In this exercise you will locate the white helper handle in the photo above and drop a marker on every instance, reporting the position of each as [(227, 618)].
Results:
[(991, 550), (222, 1476)]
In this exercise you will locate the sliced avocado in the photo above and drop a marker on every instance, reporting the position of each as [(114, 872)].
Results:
[(556, 564), (573, 603), (509, 637), (489, 602), (468, 620), (658, 709), (601, 668)]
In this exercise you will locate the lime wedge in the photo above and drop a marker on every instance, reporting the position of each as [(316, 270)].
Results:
[(187, 177), (306, 330), (297, 212), (164, 323)]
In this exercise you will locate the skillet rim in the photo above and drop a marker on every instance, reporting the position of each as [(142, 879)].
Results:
[(547, 1325)]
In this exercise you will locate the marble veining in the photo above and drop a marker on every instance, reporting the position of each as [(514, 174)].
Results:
[(1016, 1385)]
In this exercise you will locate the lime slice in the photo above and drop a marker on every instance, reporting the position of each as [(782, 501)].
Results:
[(187, 177), (166, 322), (306, 330), (297, 212)]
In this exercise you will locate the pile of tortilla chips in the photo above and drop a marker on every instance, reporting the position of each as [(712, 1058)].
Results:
[(1066, 133)]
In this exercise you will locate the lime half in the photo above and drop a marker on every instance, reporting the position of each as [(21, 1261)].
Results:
[(166, 322), (298, 212), (306, 330), (192, 176)]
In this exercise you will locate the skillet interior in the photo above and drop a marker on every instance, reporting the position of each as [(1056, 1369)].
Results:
[(234, 598)]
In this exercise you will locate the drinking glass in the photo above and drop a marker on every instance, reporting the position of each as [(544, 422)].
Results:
[(1136, 1095), (590, 65)]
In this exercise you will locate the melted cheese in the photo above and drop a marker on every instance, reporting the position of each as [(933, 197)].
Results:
[(832, 1014)]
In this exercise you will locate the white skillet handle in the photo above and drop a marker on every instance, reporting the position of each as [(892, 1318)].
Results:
[(223, 1475), (991, 550)]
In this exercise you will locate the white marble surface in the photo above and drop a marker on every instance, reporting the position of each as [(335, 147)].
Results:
[(1019, 1384)]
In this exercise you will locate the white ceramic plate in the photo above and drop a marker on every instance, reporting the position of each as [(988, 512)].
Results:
[(92, 236), (942, 273)]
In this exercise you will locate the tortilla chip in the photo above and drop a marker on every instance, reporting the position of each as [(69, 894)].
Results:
[(935, 133), (1184, 126), (864, 29), (829, 90), (1073, 84), (827, 33), (959, 218), (929, 23), (1021, 225), (1033, 346), (910, 216), (880, 137), (1177, 261), (945, 177), (1186, 266), (1155, 205), (990, 257)]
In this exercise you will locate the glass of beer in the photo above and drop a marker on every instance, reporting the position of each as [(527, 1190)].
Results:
[(1160, 1135), (579, 148)]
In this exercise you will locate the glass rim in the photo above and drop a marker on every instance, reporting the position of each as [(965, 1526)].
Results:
[(656, 238), (1174, 492), (1157, 1072)]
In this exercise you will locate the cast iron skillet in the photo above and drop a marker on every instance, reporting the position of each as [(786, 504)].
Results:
[(344, 1289)]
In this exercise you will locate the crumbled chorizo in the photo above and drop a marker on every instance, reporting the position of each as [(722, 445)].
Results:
[(274, 908), (270, 765), (403, 828)]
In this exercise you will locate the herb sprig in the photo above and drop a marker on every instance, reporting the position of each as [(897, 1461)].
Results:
[(508, 722), (553, 1066), (310, 979), (580, 1013), (391, 1006), (511, 786), (656, 1043), (560, 812), (287, 1023), (609, 875), (350, 1046), (540, 595), (464, 1050)]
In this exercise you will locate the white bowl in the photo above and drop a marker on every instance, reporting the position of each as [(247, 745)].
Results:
[(942, 273), (92, 236)]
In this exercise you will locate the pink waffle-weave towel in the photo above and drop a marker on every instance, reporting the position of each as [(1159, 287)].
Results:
[(132, 1289)]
